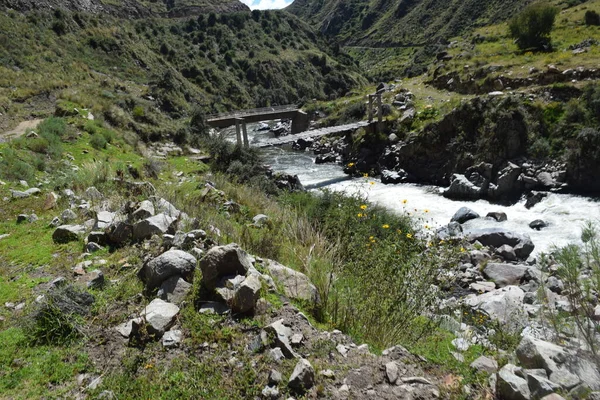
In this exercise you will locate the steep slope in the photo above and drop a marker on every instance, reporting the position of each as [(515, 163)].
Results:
[(165, 66), (400, 22)]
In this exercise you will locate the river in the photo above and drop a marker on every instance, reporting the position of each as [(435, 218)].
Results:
[(564, 214)]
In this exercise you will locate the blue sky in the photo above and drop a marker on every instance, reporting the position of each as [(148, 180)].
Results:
[(266, 4)]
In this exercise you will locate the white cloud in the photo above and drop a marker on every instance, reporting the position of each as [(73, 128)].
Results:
[(266, 4)]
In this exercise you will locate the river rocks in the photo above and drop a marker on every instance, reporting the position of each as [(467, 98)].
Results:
[(462, 189), (68, 233), (496, 237), (160, 316), (246, 294), (508, 184), (451, 231), (538, 225), (510, 386), (222, 261), (156, 225), (168, 264), (534, 198), (303, 377), (463, 215), (505, 305), (499, 216), (294, 284), (394, 177), (504, 274)]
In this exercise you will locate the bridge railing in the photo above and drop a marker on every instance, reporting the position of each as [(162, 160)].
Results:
[(253, 111)]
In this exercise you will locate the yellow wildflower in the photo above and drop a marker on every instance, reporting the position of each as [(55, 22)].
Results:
[(363, 207), (385, 226), (404, 201), (409, 236), (462, 250), (427, 226), (350, 165), (426, 210), (365, 175), (371, 237), (359, 215), (371, 183)]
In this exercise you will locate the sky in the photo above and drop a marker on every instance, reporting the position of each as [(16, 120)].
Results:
[(266, 4)]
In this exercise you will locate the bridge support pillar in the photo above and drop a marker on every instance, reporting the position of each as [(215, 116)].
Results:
[(370, 108), (300, 122), (372, 98), (245, 134), (238, 133)]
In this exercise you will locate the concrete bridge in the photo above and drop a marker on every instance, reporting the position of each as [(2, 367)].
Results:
[(300, 122), (300, 119)]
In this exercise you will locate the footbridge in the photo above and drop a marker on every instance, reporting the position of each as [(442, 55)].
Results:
[(300, 119), (300, 122)]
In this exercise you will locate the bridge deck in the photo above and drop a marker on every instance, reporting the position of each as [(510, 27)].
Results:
[(316, 133)]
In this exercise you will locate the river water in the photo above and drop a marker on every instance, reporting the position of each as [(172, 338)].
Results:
[(565, 214)]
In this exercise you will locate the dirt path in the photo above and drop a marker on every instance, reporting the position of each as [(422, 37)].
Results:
[(19, 130)]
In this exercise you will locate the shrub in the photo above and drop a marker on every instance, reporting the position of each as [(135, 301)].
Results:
[(592, 18), (97, 141), (14, 168), (531, 28)]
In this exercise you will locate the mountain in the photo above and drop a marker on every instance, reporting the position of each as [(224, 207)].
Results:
[(400, 22)]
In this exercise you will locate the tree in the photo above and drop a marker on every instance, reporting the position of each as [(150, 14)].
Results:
[(531, 28)]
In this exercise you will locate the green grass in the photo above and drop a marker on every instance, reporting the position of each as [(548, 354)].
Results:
[(28, 372)]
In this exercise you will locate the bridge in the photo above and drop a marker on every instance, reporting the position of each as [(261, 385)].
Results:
[(300, 122), (300, 119)]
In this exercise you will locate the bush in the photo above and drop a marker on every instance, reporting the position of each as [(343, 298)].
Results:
[(531, 28), (14, 168), (592, 18), (97, 141)]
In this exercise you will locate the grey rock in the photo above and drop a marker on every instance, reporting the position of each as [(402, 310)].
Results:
[(391, 372), (451, 231), (555, 285), (92, 247), (496, 237), (104, 219), (246, 294), (536, 353), (174, 289), (92, 193), (168, 264), (540, 386), (260, 220), (504, 305), (463, 215), (538, 225), (270, 392), (506, 252), (68, 233), (156, 225), (144, 210), (510, 386), (213, 307), (294, 284), (119, 233), (223, 261), (163, 206), (276, 354), (507, 184), (160, 316), (32, 218), (58, 282), (499, 216), (534, 198), (504, 274), (126, 328), (172, 338), (68, 215), (462, 189), (97, 237), (21, 218), (485, 364), (281, 337), (303, 377), (275, 377), (56, 222)]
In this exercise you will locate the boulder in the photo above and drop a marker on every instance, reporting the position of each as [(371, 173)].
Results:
[(260, 220), (485, 364), (281, 335), (462, 189), (463, 215), (394, 177), (497, 237), (68, 215), (160, 316), (246, 294), (174, 289), (504, 274), (294, 284), (538, 224), (144, 210), (223, 261), (156, 225), (504, 305), (168, 264), (540, 386), (508, 183), (92, 193), (392, 372), (162, 206), (534, 198), (94, 279), (536, 353), (68, 233), (172, 338), (506, 252), (119, 233), (104, 219), (451, 231), (509, 386), (303, 377), (499, 216)]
